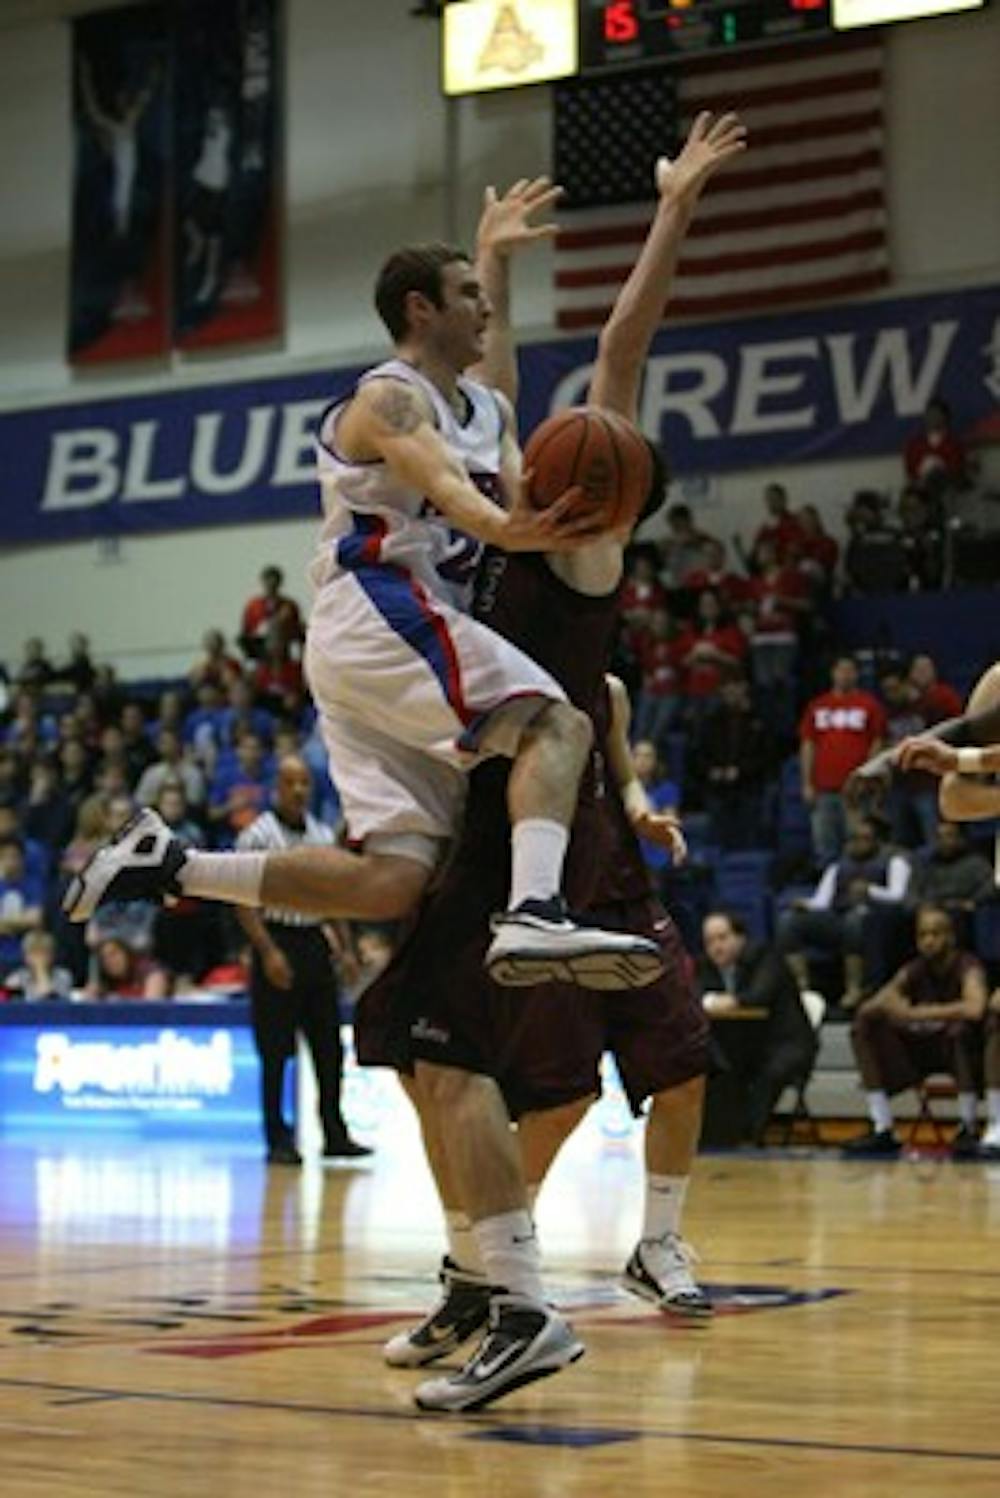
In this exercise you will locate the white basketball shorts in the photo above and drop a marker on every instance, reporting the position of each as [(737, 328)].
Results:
[(411, 695)]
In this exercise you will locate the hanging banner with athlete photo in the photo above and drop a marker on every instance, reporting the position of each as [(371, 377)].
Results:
[(227, 217), (119, 283)]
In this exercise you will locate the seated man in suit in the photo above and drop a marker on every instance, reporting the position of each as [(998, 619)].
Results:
[(733, 974), (927, 1019)]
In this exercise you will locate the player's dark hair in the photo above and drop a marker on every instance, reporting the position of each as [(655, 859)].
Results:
[(659, 482), (415, 267)]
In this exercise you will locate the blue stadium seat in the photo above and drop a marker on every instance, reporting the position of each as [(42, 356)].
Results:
[(675, 755), (986, 931), (742, 886)]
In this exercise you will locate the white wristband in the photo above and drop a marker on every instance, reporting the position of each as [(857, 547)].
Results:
[(970, 762)]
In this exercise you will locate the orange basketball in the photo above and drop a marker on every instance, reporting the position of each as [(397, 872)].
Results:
[(601, 452)]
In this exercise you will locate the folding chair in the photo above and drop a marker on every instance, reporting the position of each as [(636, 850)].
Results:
[(814, 1006), (937, 1088)]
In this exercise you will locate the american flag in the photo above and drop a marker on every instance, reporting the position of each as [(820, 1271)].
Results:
[(799, 219)]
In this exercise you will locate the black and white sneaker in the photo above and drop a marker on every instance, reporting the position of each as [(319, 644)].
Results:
[(877, 1144), (462, 1311), (540, 942), (141, 862), (660, 1270), (525, 1341)]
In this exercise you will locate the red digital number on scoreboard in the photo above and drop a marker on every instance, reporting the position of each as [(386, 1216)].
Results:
[(620, 22)]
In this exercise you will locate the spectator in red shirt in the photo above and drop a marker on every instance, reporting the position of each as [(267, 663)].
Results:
[(781, 597), (934, 458), (268, 607), (710, 645), (642, 594), (216, 665), (660, 693), (783, 526), (730, 586), (838, 731), (818, 552), (935, 699), (277, 679)]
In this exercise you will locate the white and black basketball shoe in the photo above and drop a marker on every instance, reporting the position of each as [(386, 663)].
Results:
[(141, 862), (540, 942), (525, 1341), (660, 1270), (462, 1311)]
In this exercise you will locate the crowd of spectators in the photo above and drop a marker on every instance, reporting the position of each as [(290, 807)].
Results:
[(745, 719), (81, 751)]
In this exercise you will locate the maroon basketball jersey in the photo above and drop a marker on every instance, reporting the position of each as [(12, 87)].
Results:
[(570, 634)]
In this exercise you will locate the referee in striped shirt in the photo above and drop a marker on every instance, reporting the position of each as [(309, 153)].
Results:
[(293, 983)]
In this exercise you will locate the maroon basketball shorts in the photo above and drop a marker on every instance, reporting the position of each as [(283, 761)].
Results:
[(542, 1045)]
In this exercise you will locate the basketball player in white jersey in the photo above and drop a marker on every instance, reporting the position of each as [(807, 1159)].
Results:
[(419, 467)]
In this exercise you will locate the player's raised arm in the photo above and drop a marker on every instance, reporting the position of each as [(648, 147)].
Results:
[(389, 419), (506, 225), (638, 310)]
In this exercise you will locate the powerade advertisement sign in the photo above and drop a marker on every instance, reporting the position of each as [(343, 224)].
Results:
[(155, 1081), (838, 382)]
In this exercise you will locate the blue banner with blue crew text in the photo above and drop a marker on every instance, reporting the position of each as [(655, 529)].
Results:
[(837, 383)]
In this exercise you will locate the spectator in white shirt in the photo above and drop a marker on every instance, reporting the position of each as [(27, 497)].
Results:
[(854, 912)]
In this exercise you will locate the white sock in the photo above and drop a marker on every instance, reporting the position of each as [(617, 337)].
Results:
[(463, 1249), (233, 877), (968, 1105), (993, 1105), (508, 1248), (879, 1111), (664, 1205), (538, 849)]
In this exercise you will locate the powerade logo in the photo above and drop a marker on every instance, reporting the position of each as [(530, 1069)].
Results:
[(171, 1071)]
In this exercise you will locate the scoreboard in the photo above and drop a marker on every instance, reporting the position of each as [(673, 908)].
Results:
[(624, 33), (489, 44)]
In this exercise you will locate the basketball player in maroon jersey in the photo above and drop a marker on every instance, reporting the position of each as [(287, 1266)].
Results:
[(467, 1045)]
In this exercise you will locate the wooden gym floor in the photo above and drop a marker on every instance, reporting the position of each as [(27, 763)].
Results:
[(182, 1321)]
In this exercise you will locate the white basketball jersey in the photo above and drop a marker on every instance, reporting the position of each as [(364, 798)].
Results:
[(373, 520)]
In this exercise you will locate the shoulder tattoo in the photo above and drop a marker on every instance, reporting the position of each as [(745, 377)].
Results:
[(398, 407)]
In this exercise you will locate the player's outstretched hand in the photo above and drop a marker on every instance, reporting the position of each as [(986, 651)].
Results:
[(927, 754), (509, 222), (663, 829), (713, 140)]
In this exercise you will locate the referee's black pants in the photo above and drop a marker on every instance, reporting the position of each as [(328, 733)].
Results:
[(312, 1006)]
